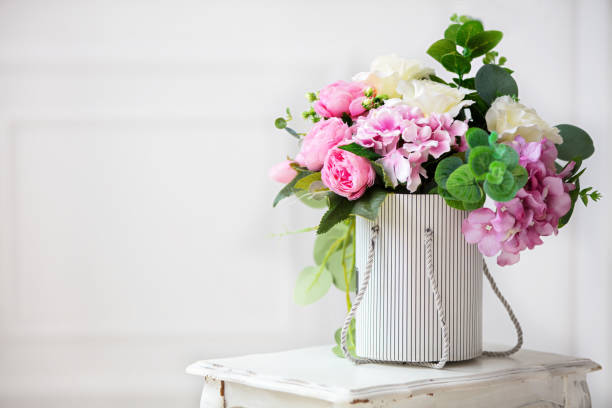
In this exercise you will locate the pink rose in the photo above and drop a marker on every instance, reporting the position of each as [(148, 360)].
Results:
[(347, 174), (282, 172), (323, 136), (339, 98)]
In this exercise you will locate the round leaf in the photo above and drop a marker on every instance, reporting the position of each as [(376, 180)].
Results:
[(441, 48), (480, 160), (451, 32), (463, 186), (445, 168), (507, 155), (493, 81), (309, 287), (326, 240), (497, 170), (503, 191), (520, 177), (467, 31), (577, 144), (477, 137), (483, 42)]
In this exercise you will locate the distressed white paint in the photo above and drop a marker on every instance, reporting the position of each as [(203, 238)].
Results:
[(314, 377), (118, 241)]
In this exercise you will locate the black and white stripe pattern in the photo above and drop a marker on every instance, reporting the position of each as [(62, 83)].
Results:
[(397, 320)]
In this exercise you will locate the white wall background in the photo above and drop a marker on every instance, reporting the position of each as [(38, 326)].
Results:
[(135, 214)]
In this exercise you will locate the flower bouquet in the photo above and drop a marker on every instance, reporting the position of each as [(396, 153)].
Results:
[(400, 130)]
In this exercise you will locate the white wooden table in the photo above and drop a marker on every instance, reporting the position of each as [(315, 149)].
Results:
[(314, 377)]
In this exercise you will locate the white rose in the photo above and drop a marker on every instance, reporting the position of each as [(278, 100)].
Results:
[(386, 72), (433, 97), (510, 118)]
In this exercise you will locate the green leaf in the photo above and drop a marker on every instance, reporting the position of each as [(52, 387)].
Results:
[(338, 351), (477, 137), (503, 191), (334, 265), (520, 177), (280, 123), (493, 81), (467, 31), (440, 48), (462, 185), (380, 171), (573, 197), (467, 83), (507, 155), (451, 32), (474, 206), (480, 160), (305, 182), (497, 170), (339, 210), (445, 168), (316, 200), (360, 151), (457, 63), (483, 42), (576, 143), (312, 284), (324, 241), (369, 203), (289, 188), (437, 79)]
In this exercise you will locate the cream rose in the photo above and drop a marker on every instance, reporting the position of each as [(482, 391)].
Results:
[(510, 118), (386, 72), (433, 97)]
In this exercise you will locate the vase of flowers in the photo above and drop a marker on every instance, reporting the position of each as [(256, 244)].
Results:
[(420, 177)]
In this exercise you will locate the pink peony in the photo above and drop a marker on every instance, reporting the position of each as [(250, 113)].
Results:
[(339, 98), (323, 136), (347, 174), (282, 172)]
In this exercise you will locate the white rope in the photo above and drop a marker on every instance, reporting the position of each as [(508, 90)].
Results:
[(517, 325), (365, 280)]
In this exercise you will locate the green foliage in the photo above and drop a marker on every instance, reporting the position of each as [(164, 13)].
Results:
[(451, 32), (305, 182), (312, 284), (480, 159), (502, 189), (467, 31), (380, 172), (441, 48), (463, 185), (445, 168), (577, 144), (289, 188), (455, 62), (477, 137), (340, 208), (325, 241), (359, 150), (281, 123), (493, 81), (334, 265), (483, 42)]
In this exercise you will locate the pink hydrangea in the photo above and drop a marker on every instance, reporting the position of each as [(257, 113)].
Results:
[(404, 167), (381, 129), (435, 134), (323, 136), (347, 174), (282, 172), (341, 98), (535, 211)]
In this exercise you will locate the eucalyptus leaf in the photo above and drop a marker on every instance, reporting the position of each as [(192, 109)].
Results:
[(457, 63), (440, 48), (577, 144), (312, 284), (493, 81), (483, 42), (451, 32), (463, 186), (467, 31)]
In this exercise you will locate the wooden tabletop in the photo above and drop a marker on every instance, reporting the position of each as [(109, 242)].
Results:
[(317, 373)]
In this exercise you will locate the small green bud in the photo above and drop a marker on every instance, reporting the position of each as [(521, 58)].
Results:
[(367, 103), (311, 96), (369, 92), (493, 139)]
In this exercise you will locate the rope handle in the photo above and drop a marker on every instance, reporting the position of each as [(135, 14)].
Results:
[(438, 304)]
